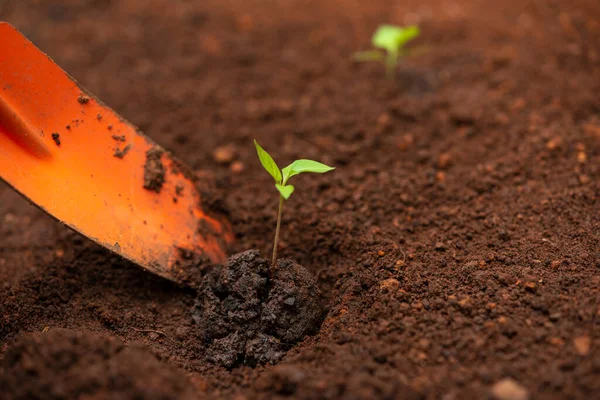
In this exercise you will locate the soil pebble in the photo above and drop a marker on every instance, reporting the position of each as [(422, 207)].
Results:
[(246, 318), (68, 364), (154, 170), (237, 167), (508, 389), (224, 154), (582, 345)]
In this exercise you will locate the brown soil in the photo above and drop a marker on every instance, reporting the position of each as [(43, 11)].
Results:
[(68, 364), (456, 244)]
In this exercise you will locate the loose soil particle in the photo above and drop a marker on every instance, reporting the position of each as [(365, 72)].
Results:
[(56, 138), (122, 153), (508, 89)]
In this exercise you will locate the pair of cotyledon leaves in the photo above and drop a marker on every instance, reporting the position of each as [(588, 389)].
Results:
[(282, 176), (390, 38)]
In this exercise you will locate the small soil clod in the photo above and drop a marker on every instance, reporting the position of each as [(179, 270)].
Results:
[(122, 153), (154, 170), (83, 99), (56, 138), (246, 318)]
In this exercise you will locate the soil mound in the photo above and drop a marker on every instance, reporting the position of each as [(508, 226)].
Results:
[(245, 317)]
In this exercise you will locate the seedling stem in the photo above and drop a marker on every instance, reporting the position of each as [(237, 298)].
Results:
[(276, 243), (390, 64)]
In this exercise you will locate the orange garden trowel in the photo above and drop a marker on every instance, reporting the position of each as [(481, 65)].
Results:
[(82, 163)]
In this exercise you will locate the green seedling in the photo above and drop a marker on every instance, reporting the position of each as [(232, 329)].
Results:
[(281, 183), (391, 40)]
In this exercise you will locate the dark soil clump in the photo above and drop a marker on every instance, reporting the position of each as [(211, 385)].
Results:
[(154, 170), (68, 364), (56, 138), (246, 318), (122, 153)]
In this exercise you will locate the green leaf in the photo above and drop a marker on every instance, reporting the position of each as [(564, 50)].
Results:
[(369, 55), (268, 163), (392, 37), (300, 166), (286, 191)]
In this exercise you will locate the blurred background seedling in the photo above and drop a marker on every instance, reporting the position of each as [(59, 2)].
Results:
[(389, 41)]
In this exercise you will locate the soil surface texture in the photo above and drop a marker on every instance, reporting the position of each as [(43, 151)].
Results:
[(68, 364), (456, 246)]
